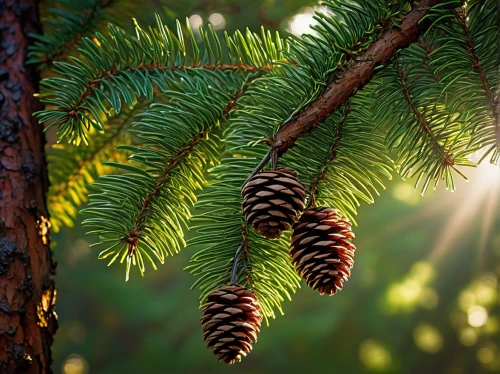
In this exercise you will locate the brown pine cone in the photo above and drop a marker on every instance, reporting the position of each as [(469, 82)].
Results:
[(321, 249), (231, 322), (273, 200)]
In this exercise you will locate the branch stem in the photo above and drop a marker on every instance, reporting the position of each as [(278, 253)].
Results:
[(261, 164), (446, 158), (332, 154), (234, 271), (91, 13), (354, 77), (242, 250), (132, 237), (461, 15), (114, 71)]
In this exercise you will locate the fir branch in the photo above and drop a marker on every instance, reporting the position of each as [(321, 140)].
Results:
[(332, 154), (72, 168), (116, 71), (122, 68), (423, 125), (461, 15), (133, 236), (153, 198), (425, 44), (69, 41), (446, 158), (358, 157), (467, 34), (355, 77)]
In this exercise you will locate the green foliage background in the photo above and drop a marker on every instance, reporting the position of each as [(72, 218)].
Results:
[(405, 308)]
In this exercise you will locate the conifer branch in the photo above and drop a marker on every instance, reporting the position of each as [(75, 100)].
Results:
[(461, 16), (360, 163), (162, 178), (332, 154), (132, 238), (476, 64), (89, 16), (424, 43), (83, 165), (115, 71), (446, 158), (355, 77), (121, 68), (141, 214), (183, 153)]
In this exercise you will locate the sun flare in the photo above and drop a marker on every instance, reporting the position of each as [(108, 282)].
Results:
[(477, 200)]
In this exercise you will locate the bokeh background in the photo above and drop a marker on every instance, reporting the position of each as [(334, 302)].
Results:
[(423, 296)]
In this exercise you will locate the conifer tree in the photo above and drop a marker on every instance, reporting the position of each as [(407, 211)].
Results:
[(262, 146)]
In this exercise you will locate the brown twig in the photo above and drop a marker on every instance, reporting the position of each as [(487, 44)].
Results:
[(447, 158), (163, 176), (71, 43), (354, 77), (332, 154), (114, 71), (132, 237), (428, 49), (461, 16), (232, 105), (82, 166)]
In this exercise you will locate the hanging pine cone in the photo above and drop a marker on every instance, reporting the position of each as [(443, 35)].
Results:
[(273, 200), (231, 322), (321, 249)]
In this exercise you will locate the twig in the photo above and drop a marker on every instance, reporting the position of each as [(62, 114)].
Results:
[(462, 20), (234, 271), (115, 71), (332, 154), (446, 158), (261, 164), (354, 77), (91, 13), (132, 237)]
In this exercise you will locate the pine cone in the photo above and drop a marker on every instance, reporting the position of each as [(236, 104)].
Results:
[(321, 249), (273, 200), (231, 322)]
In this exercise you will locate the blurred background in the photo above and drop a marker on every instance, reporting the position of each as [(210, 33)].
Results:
[(423, 295)]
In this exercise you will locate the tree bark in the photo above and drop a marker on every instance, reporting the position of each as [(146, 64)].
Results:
[(27, 291)]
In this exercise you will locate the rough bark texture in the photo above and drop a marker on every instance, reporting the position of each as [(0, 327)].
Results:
[(355, 77), (27, 292)]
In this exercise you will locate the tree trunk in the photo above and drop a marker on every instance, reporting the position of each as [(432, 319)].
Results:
[(27, 291)]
